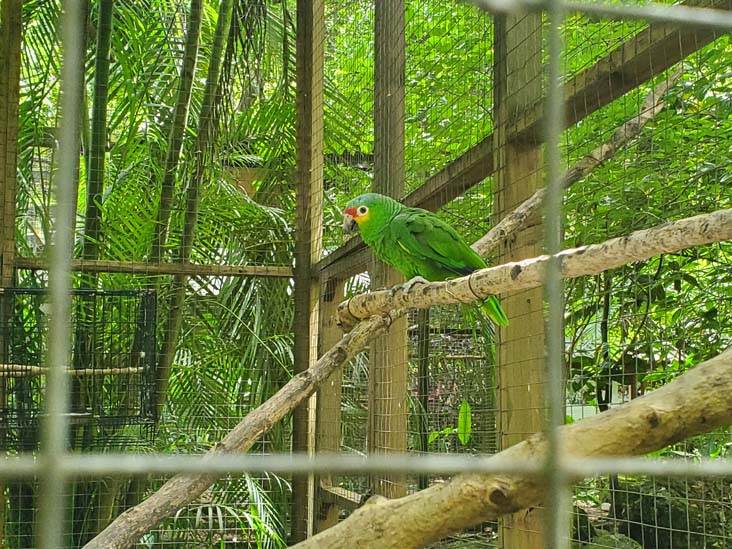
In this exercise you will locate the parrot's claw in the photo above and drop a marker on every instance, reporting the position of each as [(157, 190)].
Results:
[(409, 284)]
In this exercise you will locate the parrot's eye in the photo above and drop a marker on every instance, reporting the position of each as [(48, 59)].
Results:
[(363, 210)]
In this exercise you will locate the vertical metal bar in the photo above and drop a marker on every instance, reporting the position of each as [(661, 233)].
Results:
[(559, 498), (50, 525)]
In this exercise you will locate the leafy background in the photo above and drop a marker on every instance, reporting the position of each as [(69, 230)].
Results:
[(640, 325)]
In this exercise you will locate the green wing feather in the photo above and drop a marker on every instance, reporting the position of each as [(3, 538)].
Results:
[(418, 243)]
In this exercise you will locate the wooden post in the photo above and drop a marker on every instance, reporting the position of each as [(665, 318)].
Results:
[(423, 382), (308, 243), (328, 416), (10, 29), (520, 374), (10, 24), (388, 411)]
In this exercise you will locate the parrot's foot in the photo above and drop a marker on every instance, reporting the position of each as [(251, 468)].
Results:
[(409, 284)]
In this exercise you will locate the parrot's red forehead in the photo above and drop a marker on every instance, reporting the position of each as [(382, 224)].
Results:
[(350, 211)]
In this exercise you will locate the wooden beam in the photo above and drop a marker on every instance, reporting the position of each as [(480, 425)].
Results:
[(520, 345), (388, 361), (10, 29), (340, 497), (10, 25), (143, 268), (27, 370), (328, 403), (308, 239), (637, 60)]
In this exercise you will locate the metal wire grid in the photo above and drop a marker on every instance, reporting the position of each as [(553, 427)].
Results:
[(235, 241), (448, 82), (54, 473)]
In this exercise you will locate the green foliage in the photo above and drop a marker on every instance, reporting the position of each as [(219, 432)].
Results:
[(462, 430), (465, 423), (640, 326)]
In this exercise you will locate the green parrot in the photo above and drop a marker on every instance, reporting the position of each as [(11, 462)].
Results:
[(416, 243)]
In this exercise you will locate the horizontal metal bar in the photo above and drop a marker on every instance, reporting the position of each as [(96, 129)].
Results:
[(587, 467), (125, 464), (656, 13)]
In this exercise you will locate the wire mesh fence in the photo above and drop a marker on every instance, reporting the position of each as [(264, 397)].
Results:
[(196, 189)]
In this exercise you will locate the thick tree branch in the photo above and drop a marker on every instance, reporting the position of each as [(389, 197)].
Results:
[(695, 403), (127, 529), (529, 273), (529, 210)]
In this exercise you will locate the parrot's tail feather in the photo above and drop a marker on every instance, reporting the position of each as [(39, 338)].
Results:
[(492, 308)]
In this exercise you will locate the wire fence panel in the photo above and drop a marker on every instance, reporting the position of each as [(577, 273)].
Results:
[(175, 258)]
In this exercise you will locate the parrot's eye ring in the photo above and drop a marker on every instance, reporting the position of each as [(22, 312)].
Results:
[(363, 210)]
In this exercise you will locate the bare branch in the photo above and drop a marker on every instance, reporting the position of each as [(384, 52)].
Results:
[(529, 273), (695, 403)]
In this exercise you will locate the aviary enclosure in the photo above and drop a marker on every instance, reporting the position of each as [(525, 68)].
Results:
[(174, 281)]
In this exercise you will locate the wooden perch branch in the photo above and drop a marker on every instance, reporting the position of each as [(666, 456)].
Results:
[(529, 273), (127, 529), (695, 403), (528, 210)]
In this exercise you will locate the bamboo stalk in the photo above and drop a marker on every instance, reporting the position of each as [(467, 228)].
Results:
[(177, 128), (204, 140), (27, 370)]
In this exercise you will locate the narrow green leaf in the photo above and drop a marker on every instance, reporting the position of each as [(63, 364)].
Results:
[(465, 423)]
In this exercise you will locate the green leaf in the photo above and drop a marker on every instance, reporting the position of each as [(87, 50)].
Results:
[(465, 423)]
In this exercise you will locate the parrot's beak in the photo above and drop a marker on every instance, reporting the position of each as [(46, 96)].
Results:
[(349, 224)]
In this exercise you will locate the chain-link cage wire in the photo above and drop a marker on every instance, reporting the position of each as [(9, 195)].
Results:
[(230, 174), (587, 41), (627, 331), (438, 374), (632, 329)]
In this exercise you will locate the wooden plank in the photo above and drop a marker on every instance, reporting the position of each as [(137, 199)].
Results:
[(341, 498), (388, 363), (10, 29), (634, 62), (141, 267), (328, 407), (308, 243), (520, 368)]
